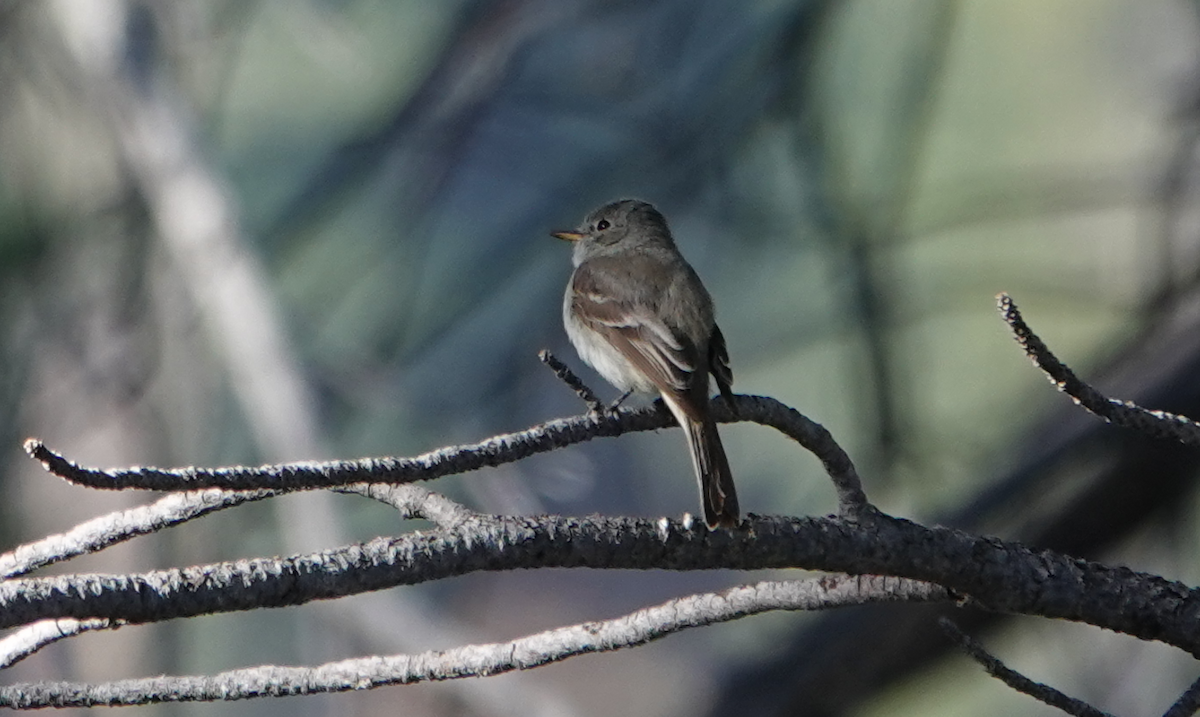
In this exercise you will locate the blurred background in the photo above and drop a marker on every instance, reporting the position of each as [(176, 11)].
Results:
[(246, 231)]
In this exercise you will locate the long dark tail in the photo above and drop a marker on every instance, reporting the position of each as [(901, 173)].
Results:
[(712, 469)]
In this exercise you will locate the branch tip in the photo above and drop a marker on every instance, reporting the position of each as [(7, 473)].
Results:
[(34, 447), (1126, 414), (567, 376), (51, 461), (1015, 680)]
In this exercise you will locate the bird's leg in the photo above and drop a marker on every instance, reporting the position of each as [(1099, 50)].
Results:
[(612, 408)]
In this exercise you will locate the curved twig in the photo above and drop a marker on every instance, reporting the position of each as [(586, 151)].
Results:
[(636, 628), (31, 638), (1158, 424), (494, 451), (1037, 690), (107, 530)]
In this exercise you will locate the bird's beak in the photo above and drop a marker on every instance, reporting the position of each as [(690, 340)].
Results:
[(567, 236)]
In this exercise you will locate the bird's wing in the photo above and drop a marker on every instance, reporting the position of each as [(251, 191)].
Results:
[(718, 362), (665, 356)]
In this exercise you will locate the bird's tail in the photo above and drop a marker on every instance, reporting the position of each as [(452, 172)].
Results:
[(712, 469)]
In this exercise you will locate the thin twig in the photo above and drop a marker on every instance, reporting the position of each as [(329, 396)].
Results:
[(413, 501), (637, 628), (1014, 679), (576, 384), (28, 640), (498, 450), (106, 530), (1158, 424)]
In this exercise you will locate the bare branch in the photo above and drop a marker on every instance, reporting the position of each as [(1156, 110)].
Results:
[(107, 530), (30, 639), (1158, 424), (413, 501), (637, 628), (994, 574), (1014, 679), (494, 451), (567, 376)]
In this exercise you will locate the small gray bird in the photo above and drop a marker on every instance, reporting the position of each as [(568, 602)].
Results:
[(637, 313)]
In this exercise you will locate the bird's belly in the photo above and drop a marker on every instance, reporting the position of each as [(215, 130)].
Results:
[(608, 361)]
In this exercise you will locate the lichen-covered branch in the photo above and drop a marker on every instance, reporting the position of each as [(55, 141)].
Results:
[(630, 630), (874, 557), (107, 530), (31, 638), (1158, 424), (495, 451), (991, 573)]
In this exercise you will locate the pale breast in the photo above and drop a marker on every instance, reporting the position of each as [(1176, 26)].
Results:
[(598, 353)]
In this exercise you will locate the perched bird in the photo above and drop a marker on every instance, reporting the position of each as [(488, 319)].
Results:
[(636, 311)]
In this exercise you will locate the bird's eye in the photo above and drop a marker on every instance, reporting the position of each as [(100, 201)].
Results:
[(602, 225)]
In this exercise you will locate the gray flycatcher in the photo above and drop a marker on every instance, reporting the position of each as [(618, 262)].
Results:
[(636, 311)]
